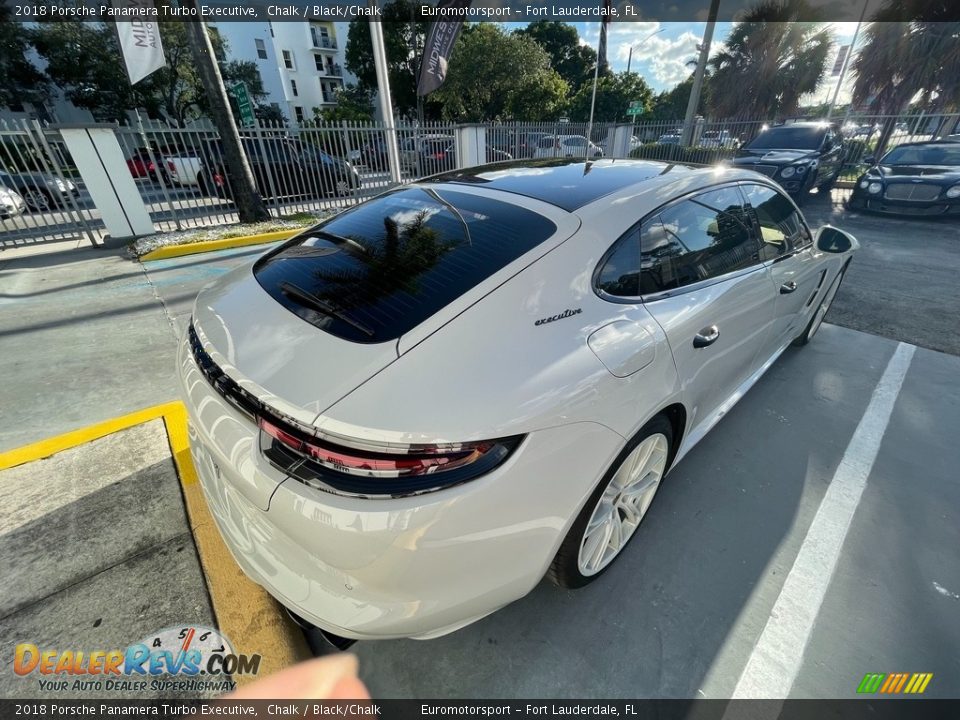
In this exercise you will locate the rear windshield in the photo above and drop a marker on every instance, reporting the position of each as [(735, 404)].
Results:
[(372, 273), (789, 138), (923, 155)]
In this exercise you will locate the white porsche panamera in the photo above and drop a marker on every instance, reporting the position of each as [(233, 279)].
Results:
[(405, 417)]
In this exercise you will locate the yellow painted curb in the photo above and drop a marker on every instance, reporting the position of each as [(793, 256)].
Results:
[(172, 251), (245, 612), (51, 446)]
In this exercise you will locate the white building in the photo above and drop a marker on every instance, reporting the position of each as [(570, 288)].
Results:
[(301, 63)]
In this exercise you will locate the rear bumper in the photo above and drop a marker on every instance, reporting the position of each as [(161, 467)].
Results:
[(400, 567)]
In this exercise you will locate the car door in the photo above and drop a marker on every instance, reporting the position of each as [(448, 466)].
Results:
[(703, 281), (787, 249)]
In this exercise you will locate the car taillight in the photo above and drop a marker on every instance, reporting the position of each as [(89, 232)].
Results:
[(439, 155), (385, 471), (218, 180), (171, 167), (151, 167)]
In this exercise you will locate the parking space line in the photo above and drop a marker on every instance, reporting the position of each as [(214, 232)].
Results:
[(775, 661), (244, 611)]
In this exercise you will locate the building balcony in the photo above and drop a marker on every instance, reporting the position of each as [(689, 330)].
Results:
[(320, 42), (330, 70)]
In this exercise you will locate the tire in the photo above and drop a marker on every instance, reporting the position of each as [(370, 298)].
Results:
[(38, 200), (624, 496), (816, 320)]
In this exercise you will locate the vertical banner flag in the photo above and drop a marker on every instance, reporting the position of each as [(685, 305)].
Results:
[(139, 39), (602, 46), (438, 48)]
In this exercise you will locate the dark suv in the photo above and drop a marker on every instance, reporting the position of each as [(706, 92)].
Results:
[(800, 156)]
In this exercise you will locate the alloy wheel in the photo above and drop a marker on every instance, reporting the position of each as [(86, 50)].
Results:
[(37, 200), (623, 504)]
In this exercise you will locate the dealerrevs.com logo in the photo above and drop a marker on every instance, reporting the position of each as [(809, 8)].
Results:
[(192, 658)]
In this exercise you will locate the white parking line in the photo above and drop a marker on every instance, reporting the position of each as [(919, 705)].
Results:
[(772, 668)]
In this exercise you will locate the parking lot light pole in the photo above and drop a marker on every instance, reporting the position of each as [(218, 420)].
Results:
[(386, 101), (636, 45)]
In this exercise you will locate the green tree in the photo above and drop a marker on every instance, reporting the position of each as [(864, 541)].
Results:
[(402, 38), (84, 59), (615, 92), (22, 82), (671, 105), (494, 75), (770, 60), (911, 54), (354, 104), (572, 61)]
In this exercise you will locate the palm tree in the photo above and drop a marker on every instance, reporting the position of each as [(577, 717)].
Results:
[(909, 57), (771, 60)]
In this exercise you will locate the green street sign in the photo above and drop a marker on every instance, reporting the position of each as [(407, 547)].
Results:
[(239, 92), (636, 108)]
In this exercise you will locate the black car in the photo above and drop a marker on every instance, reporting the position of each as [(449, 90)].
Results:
[(800, 156), (282, 167), (41, 192), (920, 178)]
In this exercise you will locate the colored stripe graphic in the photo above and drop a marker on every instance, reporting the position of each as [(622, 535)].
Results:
[(895, 683)]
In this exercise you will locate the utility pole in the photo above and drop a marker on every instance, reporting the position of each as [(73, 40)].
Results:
[(250, 206), (694, 103), (846, 62)]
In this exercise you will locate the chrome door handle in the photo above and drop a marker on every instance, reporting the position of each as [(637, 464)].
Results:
[(788, 287), (707, 336)]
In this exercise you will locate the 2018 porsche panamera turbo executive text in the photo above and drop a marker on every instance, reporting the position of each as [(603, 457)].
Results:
[(404, 417)]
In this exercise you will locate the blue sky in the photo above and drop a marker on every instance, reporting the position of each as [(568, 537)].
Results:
[(661, 50)]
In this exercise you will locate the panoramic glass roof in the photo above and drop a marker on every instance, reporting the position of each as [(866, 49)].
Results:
[(566, 182)]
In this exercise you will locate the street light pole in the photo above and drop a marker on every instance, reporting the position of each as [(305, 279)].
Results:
[(630, 56)]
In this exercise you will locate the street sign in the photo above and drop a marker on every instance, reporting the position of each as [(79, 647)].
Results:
[(636, 107), (564, 119), (239, 92)]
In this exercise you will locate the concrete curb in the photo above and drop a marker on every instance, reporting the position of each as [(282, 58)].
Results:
[(244, 611), (172, 251)]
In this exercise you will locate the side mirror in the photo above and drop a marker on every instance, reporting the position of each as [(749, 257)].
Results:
[(833, 240), (870, 160)]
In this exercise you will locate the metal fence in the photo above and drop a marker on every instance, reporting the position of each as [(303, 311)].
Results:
[(184, 183)]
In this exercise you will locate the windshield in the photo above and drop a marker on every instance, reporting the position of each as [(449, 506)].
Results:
[(789, 138), (923, 155), (372, 273)]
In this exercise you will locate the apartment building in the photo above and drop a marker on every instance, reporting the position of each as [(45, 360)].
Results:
[(301, 63)]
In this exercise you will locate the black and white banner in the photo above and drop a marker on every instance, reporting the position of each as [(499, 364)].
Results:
[(439, 46), (139, 39)]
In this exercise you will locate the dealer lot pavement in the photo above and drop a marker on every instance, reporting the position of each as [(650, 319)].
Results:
[(92, 336)]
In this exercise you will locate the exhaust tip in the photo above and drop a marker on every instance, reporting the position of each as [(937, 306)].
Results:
[(320, 641)]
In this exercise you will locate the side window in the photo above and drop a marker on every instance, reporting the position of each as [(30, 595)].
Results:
[(782, 230), (702, 239), (620, 275)]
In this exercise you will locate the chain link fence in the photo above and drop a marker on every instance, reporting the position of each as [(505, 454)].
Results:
[(183, 180)]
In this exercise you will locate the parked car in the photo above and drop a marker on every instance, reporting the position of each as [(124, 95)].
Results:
[(141, 163), (800, 156), (912, 179), (282, 167), (41, 192), (11, 203), (441, 156), (719, 139), (671, 138), (566, 146), (413, 148), (374, 154), (406, 416)]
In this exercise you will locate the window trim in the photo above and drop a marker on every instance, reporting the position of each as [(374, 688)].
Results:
[(692, 287)]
